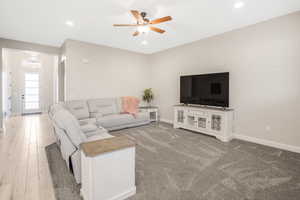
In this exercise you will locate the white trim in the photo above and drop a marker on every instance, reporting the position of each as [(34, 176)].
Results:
[(124, 195), (265, 142), (268, 143), (121, 196), (166, 121)]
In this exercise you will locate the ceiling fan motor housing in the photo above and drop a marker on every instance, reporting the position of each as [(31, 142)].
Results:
[(144, 14)]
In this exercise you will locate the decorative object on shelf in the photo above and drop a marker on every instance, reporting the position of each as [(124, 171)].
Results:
[(148, 96)]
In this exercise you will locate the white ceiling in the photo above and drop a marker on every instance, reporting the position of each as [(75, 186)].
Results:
[(43, 21)]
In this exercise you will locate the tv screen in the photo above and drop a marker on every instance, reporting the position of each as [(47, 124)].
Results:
[(205, 89)]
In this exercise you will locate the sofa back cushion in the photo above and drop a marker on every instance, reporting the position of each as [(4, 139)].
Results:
[(55, 108), (67, 122), (78, 108), (105, 106)]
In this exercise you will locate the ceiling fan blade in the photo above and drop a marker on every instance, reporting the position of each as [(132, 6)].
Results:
[(160, 20), (136, 33), (137, 16), (158, 30), (125, 25)]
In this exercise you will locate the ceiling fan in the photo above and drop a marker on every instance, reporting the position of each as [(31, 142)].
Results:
[(143, 24)]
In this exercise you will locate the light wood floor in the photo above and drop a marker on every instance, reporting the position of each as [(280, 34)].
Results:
[(23, 161)]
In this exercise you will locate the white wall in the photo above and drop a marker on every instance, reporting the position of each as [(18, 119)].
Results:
[(94, 71), (15, 65), (264, 65)]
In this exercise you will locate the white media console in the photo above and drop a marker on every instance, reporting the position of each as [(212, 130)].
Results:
[(211, 121)]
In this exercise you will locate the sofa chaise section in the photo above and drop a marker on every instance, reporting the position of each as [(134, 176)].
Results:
[(70, 135), (81, 121)]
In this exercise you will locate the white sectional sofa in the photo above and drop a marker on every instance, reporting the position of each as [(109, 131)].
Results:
[(81, 121), (106, 112)]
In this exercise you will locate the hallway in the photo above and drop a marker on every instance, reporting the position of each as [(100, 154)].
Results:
[(23, 161)]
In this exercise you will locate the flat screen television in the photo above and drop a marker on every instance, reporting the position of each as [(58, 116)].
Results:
[(205, 89)]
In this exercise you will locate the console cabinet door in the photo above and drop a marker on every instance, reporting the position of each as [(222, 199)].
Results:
[(216, 123), (180, 116), (202, 123)]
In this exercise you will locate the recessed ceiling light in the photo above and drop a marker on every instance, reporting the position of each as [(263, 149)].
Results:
[(69, 23), (144, 42), (239, 4)]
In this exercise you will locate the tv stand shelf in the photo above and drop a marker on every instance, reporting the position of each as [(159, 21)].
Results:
[(217, 122)]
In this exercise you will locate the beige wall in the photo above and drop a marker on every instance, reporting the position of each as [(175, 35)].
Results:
[(264, 65), (263, 61), (94, 71)]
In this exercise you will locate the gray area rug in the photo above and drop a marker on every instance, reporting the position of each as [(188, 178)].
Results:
[(64, 183), (174, 164)]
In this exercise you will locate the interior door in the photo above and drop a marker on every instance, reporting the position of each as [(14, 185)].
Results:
[(31, 93)]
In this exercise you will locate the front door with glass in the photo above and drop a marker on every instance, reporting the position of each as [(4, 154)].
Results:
[(31, 94)]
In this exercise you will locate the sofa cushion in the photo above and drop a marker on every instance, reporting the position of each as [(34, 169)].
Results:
[(78, 108), (66, 121), (100, 130), (54, 108), (103, 107), (119, 105), (115, 120), (87, 121), (100, 136), (88, 128)]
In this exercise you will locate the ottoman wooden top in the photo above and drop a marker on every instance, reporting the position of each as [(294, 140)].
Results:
[(97, 147)]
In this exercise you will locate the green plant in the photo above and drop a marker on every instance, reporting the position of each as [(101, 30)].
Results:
[(148, 95)]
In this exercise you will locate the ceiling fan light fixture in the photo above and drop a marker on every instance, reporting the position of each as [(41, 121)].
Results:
[(144, 42), (239, 4), (143, 29)]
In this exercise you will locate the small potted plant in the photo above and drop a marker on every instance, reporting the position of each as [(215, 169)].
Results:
[(148, 96)]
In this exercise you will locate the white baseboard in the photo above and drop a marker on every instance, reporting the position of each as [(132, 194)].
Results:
[(121, 196), (124, 195), (268, 143), (167, 121), (265, 142)]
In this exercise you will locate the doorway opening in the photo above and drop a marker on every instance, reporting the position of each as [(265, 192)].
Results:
[(29, 80)]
